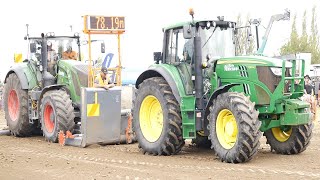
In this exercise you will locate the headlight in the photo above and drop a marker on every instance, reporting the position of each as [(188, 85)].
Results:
[(208, 24), (276, 71)]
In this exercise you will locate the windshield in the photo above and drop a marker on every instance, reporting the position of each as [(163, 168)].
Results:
[(66, 48), (59, 48), (217, 42)]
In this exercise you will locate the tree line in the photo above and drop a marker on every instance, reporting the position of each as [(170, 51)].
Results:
[(306, 41)]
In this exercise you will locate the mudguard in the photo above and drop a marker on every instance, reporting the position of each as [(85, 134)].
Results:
[(170, 74), (220, 90), (48, 88), (27, 79), (21, 75)]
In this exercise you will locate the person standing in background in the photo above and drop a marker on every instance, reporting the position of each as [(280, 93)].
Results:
[(309, 95)]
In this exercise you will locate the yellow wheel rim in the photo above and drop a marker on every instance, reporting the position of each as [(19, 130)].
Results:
[(281, 135), (226, 129), (151, 118)]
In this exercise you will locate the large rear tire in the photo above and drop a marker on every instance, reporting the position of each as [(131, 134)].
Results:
[(157, 118), (292, 140), (16, 107), (57, 113), (234, 128)]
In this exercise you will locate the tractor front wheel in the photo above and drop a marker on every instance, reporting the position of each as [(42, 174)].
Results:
[(289, 140), (157, 119), (234, 128), (57, 113), (16, 107)]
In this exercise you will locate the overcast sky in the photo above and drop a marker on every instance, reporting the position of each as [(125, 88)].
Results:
[(144, 20)]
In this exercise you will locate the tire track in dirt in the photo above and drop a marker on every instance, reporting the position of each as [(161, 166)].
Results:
[(138, 166), (56, 172)]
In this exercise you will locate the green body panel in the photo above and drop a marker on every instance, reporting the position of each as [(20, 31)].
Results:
[(252, 60), (67, 76), (32, 76), (29, 73), (188, 117), (174, 73), (294, 114), (279, 102)]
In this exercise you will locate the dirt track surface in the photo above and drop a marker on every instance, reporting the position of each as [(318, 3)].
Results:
[(33, 158)]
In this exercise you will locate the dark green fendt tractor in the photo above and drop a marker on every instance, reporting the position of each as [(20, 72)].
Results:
[(199, 89), (44, 96)]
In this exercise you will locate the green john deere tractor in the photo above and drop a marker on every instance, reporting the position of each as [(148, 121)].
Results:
[(199, 89), (42, 94)]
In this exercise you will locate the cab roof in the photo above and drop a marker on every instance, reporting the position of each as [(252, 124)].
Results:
[(181, 24)]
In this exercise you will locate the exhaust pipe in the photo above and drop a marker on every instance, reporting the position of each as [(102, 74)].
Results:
[(47, 78), (198, 83)]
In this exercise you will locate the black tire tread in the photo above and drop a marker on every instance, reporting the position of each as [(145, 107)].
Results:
[(249, 134), (64, 112), (173, 142), (23, 128), (297, 142)]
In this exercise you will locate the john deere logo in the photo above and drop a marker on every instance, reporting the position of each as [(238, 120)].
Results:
[(230, 67)]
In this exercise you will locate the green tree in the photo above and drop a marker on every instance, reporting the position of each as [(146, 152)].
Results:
[(304, 46), (292, 46), (314, 38), (305, 42)]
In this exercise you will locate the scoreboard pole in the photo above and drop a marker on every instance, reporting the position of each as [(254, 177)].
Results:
[(119, 67)]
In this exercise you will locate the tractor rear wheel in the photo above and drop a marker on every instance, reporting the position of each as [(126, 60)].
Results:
[(157, 118), (234, 128), (57, 113), (291, 140), (16, 107)]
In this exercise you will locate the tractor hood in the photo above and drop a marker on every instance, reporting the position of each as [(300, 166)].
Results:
[(254, 60)]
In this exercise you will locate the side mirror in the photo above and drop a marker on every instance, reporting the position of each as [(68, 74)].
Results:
[(157, 56), (187, 32), (33, 47), (103, 48)]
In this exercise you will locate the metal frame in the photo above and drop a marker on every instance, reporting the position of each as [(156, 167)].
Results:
[(90, 32)]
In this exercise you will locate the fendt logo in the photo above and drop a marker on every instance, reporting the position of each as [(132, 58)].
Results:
[(230, 67)]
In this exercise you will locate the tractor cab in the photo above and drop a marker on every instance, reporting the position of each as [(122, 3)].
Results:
[(57, 48), (217, 40)]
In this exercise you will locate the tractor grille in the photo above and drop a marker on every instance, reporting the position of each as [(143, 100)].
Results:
[(267, 77)]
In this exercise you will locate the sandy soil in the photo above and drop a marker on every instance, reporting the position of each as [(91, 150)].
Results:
[(33, 158)]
